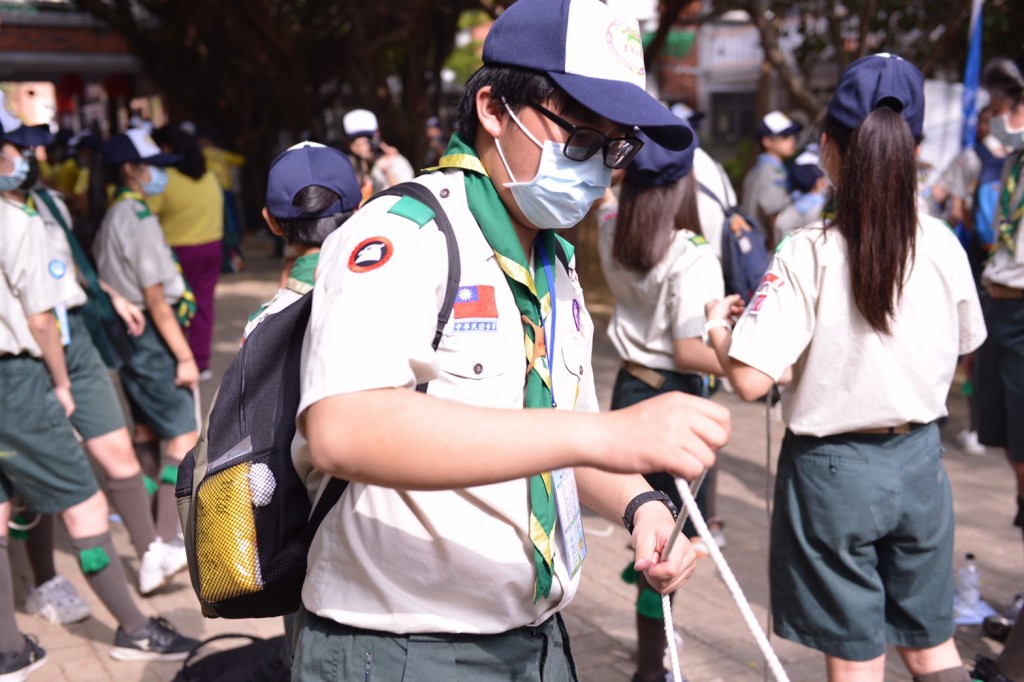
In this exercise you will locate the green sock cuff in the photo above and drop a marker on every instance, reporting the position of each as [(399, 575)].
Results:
[(648, 605), (628, 575), (93, 560), (151, 485), (169, 474)]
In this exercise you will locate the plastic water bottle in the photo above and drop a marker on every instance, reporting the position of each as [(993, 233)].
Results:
[(968, 588)]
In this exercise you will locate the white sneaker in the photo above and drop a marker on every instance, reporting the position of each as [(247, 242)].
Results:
[(967, 442), (57, 601), (159, 564)]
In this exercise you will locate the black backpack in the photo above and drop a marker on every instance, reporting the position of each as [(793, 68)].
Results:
[(258, 661), (246, 515), (745, 256)]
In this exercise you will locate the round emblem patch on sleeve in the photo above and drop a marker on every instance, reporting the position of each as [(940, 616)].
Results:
[(57, 268), (370, 254)]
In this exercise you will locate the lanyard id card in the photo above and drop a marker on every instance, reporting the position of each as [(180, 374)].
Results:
[(61, 311), (570, 518)]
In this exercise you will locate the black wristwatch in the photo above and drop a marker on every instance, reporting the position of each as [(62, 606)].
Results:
[(644, 498)]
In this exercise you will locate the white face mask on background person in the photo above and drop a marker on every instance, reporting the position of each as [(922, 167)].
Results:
[(563, 190), (157, 182), (1014, 139), (17, 176)]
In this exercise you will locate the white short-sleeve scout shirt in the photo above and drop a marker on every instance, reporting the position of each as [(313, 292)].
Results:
[(61, 265), (654, 308), (132, 255), (26, 287), (439, 561), (847, 376)]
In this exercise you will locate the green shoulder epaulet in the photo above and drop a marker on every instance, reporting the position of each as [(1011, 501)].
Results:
[(142, 210), (28, 210), (784, 240), (413, 210), (698, 240)]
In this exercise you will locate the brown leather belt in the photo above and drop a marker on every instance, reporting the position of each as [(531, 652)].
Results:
[(898, 430), (644, 374), (998, 292)]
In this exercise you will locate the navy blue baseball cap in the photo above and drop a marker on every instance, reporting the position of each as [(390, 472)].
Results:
[(657, 166), (805, 170), (777, 124), (136, 146), (307, 164), (593, 54), (879, 80)]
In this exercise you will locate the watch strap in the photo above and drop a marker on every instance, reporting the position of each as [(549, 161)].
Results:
[(642, 499)]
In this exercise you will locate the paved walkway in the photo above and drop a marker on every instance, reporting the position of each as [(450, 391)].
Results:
[(717, 645)]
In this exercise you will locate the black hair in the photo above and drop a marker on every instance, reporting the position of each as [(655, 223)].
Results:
[(876, 209), (312, 231), (648, 218), (1003, 78), (517, 87), (193, 163)]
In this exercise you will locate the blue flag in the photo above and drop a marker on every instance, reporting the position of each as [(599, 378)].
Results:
[(972, 75)]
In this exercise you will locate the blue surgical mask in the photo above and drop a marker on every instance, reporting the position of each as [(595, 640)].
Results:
[(563, 190), (157, 182), (1014, 139), (14, 180)]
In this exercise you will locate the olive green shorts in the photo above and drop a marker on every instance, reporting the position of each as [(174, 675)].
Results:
[(148, 380), (97, 408), (40, 458), (329, 651)]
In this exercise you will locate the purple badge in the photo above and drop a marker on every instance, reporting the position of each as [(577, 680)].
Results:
[(576, 313)]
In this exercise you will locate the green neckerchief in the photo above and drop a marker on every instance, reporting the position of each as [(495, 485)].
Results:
[(1010, 217), (300, 278), (534, 302)]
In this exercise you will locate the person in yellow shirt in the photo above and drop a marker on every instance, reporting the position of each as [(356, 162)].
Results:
[(226, 165), (191, 212)]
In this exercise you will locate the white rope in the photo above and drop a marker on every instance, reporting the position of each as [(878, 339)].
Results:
[(734, 589)]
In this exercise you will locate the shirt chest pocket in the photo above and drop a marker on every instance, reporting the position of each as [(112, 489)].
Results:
[(480, 371)]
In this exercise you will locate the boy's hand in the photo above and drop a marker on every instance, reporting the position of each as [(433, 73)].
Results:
[(653, 527)]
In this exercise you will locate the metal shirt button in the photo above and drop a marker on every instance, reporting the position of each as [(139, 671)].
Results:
[(478, 368)]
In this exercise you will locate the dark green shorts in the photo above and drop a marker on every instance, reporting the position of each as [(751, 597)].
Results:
[(332, 652), (40, 458), (97, 408), (999, 377), (862, 543), (148, 380)]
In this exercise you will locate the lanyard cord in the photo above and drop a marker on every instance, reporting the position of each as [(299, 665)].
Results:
[(549, 340)]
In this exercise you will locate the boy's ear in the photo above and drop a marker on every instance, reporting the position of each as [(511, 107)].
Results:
[(272, 223)]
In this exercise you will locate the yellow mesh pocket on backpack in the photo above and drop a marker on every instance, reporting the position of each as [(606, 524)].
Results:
[(226, 552)]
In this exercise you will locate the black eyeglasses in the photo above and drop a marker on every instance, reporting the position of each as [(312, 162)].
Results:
[(585, 142)]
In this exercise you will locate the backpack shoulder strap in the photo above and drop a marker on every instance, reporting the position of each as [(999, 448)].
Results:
[(707, 190), (336, 486)]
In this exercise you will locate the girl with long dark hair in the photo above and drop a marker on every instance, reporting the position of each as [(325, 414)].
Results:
[(870, 308)]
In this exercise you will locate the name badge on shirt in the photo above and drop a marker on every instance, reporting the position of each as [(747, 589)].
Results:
[(570, 518), (61, 311)]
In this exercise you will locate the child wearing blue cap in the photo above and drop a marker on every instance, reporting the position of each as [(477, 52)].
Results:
[(311, 190), (459, 539), (871, 308), (661, 271)]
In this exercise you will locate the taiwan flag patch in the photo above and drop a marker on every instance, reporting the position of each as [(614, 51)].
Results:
[(475, 309)]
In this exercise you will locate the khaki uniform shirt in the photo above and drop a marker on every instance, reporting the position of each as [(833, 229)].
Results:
[(62, 262), (448, 560), (131, 254), (654, 308), (26, 287), (1003, 267), (847, 376), (765, 192)]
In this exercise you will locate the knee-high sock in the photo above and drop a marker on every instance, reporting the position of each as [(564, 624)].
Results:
[(39, 547), (148, 453), (99, 563), (129, 498), (168, 523), (11, 639)]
